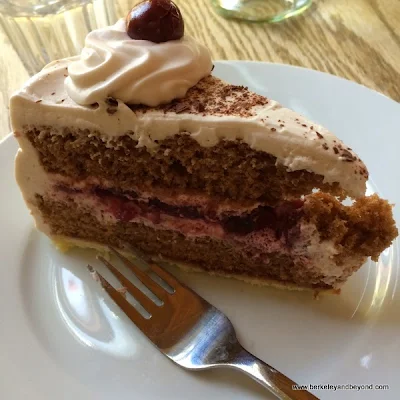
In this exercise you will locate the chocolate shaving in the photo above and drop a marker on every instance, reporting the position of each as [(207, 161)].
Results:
[(94, 105), (335, 149), (53, 93), (225, 92), (199, 107), (111, 101), (273, 129), (38, 101), (168, 107), (112, 110), (319, 135), (325, 146), (347, 154), (180, 108), (212, 69), (238, 88), (210, 94)]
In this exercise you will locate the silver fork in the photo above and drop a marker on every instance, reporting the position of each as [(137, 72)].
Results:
[(189, 330)]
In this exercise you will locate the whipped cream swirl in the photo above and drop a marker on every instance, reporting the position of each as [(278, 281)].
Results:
[(135, 71)]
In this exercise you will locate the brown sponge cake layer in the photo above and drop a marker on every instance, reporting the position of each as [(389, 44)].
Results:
[(207, 253), (229, 169), (367, 227), (214, 254)]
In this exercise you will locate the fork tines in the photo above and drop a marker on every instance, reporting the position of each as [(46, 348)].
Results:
[(144, 278)]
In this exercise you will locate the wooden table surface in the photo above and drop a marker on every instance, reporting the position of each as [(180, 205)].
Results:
[(358, 40)]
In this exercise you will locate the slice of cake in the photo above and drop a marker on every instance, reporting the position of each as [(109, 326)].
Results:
[(134, 143)]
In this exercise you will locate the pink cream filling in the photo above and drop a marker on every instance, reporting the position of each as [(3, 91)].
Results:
[(114, 208)]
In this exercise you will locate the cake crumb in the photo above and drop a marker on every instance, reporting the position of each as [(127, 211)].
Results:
[(93, 273), (123, 290), (366, 228)]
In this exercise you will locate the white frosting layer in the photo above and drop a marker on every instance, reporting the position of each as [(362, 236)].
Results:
[(135, 71), (32, 179), (43, 101)]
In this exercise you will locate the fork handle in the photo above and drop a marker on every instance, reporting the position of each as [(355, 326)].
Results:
[(277, 383)]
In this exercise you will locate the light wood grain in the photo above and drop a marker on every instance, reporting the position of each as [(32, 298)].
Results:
[(358, 40)]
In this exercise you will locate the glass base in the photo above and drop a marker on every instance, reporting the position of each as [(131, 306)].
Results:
[(260, 10), (47, 30)]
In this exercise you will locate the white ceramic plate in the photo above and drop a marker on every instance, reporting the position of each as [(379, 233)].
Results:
[(61, 337)]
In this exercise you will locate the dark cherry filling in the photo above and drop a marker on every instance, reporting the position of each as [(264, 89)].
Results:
[(190, 212), (280, 218), (125, 206)]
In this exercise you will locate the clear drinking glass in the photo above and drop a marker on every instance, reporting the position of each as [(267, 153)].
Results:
[(46, 30), (260, 10)]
